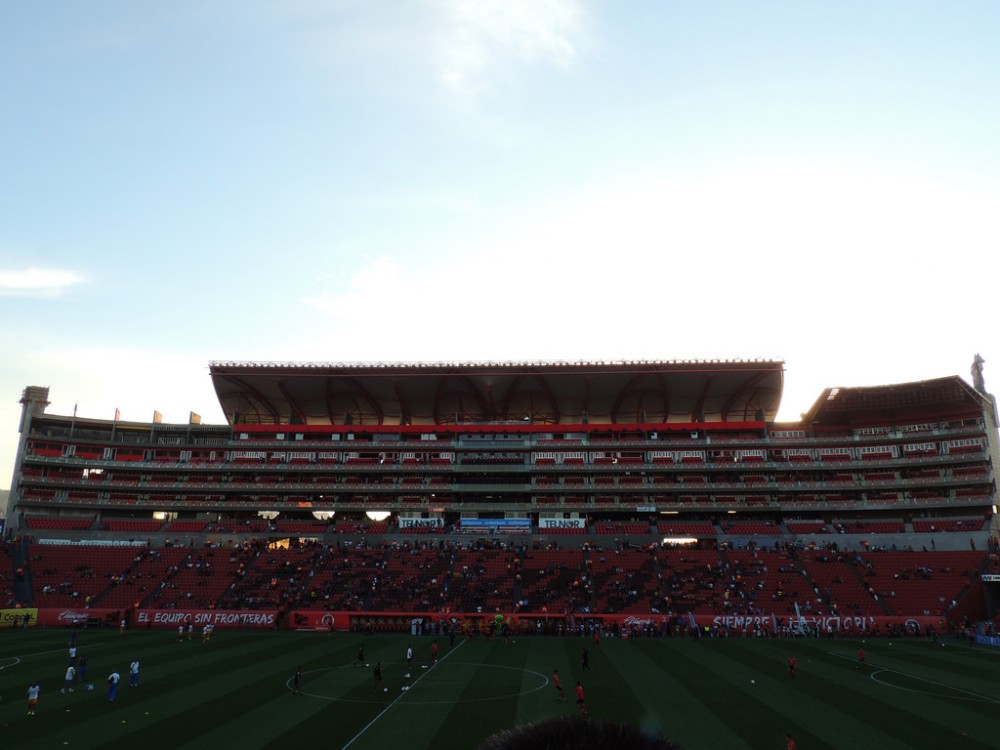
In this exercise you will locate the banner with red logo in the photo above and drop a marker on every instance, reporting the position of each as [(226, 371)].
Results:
[(78, 616)]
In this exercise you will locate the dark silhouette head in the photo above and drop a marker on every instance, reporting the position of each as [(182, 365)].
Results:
[(576, 733)]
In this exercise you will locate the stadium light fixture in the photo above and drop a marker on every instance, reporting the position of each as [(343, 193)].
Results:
[(679, 540), (378, 515), (323, 515)]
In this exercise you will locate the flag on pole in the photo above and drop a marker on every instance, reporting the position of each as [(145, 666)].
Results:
[(157, 417), (118, 414)]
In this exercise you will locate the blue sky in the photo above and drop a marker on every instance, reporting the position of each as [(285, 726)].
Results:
[(433, 180)]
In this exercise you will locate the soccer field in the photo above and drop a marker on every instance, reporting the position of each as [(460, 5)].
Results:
[(235, 691)]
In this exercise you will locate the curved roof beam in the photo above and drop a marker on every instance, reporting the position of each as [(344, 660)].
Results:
[(747, 385), (262, 403)]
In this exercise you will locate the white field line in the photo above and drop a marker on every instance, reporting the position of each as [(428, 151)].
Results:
[(880, 669), (399, 697)]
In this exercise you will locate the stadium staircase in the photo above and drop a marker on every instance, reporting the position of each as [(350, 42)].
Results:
[(24, 589)]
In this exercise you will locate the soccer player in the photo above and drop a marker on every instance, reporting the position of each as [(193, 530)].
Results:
[(586, 660), (409, 659), (558, 683), (434, 652), (81, 671), (861, 657), (297, 682), (70, 676), (33, 691), (360, 661), (113, 679), (377, 674), (180, 633), (792, 665), (790, 743), (121, 627), (133, 673), (581, 702)]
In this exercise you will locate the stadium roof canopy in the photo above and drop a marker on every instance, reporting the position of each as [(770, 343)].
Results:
[(624, 392), (938, 398)]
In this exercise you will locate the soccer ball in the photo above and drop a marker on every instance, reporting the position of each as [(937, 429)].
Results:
[(753, 682), (385, 690)]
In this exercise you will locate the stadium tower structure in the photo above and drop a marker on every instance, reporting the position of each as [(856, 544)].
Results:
[(640, 448)]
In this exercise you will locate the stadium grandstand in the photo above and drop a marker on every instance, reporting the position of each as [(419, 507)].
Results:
[(642, 495)]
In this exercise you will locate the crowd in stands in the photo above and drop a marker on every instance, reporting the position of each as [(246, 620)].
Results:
[(483, 575)]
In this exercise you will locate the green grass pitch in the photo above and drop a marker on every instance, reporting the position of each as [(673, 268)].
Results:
[(235, 692)]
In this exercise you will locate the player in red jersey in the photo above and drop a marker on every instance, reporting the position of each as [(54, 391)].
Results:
[(790, 743), (558, 683), (861, 657), (792, 665), (581, 701)]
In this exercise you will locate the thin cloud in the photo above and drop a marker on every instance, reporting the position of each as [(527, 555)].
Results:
[(463, 47), (37, 282), (484, 39)]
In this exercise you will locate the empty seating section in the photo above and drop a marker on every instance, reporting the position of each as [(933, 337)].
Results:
[(910, 583), (302, 527), (272, 579), (344, 581), (74, 575), (203, 577), (143, 578), (686, 528), (765, 583), (948, 524), (59, 523), (691, 580), (481, 581), (839, 587), (8, 577), (870, 527), (187, 527), (552, 581), (751, 528), (352, 527), (131, 525), (807, 527), (414, 580), (623, 581), (627, 527)]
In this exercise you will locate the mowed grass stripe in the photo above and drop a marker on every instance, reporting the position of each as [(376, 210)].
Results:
[(469, 694), (857, 707), (170, 687), (720, 673), (234, 691), (655, 694), (910, 695)]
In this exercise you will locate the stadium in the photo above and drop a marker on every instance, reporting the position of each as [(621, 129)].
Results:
[(623, 501)]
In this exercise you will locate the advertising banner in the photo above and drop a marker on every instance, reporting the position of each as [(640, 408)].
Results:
[(15, 618), (733, 625), (220, 618), (78, 616)]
